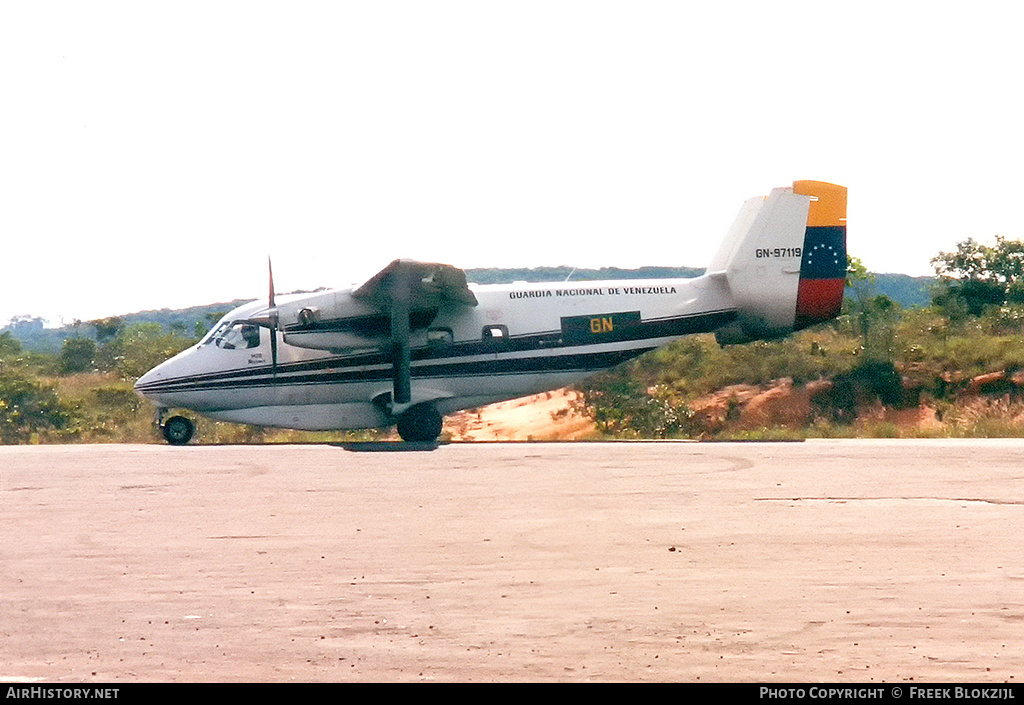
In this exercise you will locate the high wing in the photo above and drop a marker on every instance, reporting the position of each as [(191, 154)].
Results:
[(405, 285), (404, 296), (419, 284)]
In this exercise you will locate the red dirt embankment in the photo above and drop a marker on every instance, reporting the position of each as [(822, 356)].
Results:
[(985, 404), (541, 417)]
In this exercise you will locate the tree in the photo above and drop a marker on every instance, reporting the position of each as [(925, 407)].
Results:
[(107, 328), (882, 315), (142, 346), (620, 405), (860, 281), (9, 345), (77, 355), (976, 276), (874, 316)]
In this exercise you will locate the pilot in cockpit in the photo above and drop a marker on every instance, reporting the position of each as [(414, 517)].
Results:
[(239, 336)]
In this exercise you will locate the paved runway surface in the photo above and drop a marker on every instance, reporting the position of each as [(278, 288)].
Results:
[(820, 561)]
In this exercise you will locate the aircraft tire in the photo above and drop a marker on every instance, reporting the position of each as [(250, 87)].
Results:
[(178, 430), (420, 424)]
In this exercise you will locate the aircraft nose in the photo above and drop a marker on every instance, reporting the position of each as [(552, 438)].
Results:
[(146, 379), (163, 383), (143, 385), (154, 383)]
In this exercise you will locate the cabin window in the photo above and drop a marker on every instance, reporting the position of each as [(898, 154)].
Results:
[(437, 337), (238, 336), (495, 334)]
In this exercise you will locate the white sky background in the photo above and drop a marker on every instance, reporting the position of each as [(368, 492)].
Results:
[(154, 154)]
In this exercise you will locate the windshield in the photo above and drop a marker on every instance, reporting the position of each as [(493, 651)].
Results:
[(231, 335), (222, 325)]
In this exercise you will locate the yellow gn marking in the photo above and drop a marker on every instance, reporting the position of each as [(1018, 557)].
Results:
[(601, 325)]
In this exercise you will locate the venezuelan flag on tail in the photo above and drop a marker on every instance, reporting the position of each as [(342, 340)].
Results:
[(823, 262)]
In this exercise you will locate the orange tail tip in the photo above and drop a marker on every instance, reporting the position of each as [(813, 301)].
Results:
[(828, 202)]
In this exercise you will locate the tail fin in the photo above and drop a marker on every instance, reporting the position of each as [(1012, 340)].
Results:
[(785, 261)]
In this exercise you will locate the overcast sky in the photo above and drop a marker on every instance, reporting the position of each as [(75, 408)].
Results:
[(153, 154)]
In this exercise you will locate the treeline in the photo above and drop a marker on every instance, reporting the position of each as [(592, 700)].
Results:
[(34, 334)]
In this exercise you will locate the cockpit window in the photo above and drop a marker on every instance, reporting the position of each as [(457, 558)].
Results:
[(214, 332), (236, 336)]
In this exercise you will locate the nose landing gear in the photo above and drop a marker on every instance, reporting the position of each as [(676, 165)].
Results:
[(177, 430)]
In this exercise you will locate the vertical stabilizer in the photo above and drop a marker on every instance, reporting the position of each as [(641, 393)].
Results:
[(785, 260)]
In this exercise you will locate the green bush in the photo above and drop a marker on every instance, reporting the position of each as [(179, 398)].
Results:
[(30, 410), (77, 355)]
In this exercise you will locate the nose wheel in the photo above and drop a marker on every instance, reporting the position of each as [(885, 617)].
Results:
[(178, 430), (420, 424)]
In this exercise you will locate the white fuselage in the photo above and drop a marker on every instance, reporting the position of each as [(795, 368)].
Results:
[(520, 339)]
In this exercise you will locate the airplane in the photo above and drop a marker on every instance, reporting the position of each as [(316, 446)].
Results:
[(416, 341)]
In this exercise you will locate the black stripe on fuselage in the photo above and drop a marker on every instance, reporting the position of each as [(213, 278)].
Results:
[(450, 360)]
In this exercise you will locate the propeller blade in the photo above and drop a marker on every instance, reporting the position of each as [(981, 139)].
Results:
[(270, 270), (273, 351), (273, 319)]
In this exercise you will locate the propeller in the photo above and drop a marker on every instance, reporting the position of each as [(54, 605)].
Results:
[(273, 319)]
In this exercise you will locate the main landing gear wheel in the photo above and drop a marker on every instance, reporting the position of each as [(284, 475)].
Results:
[(178, 430), (420, 424)]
